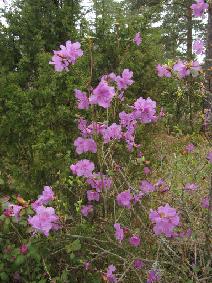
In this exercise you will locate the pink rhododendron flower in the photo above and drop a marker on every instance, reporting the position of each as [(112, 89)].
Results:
[(135, 241), (13, 210), (205, 202), (85, 145), (165, 219), (83, 168), (87, 265), (190, 147), (145, 110), (93, 195), (99, 182), (153, 276), (112, 132), (209, 156), (47, 196), (182, 69), (138, 263), (109, 78), (125, 80), (124, 199), (162, 186), (199, 8), (102, 95), (96, 128), (195, 68), (66, 56), (44, 220), (109, 275), (83, 101), (82, 126), (86, 210), (137, 39), (198, 47), (163, 71), (24, 249), (146, 187), (147, 171), (191, 187), (119, 233)]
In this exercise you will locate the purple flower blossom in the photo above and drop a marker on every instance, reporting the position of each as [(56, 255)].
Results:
[(93, 195), (109, 275), (205, 202), (83, 101), (198, 47), (112, 132), (85, 145), (209, 156), (47, 196), (119, 233), (162, 186), (66, 56), (191, 187), (135, 241), (195, 68), (83, 168), (138, 263), (13, 210), (147, 170), (125, 80), (99, 182), (124, 199), (182, 69), (146, 187), (24, 249), (165, 219), (163, 71), (190, 147), (44, 220), (199, 8), (137, 39), (144, 110), (153, 276), (102, 95), (86, 210)]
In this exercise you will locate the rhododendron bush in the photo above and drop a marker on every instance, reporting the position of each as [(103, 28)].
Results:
[(137, 216)]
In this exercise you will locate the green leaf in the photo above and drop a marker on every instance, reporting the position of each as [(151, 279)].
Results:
[(20, 259), (74, 246)]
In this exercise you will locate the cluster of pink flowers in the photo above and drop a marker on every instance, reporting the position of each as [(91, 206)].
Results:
[(111, 277), (13, 210), (199, 8), (181, 68), (190, 148), (83, 168), (99, 182), (165, 219), (85, 145), (46, 196), (119, 232), (44, 220), (124, 199), (191, 187), (68, 55), (198, 47), (153, 276), (83, 101), (137, 39)]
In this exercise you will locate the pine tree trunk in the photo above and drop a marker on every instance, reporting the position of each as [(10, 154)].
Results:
[(189, 33)]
